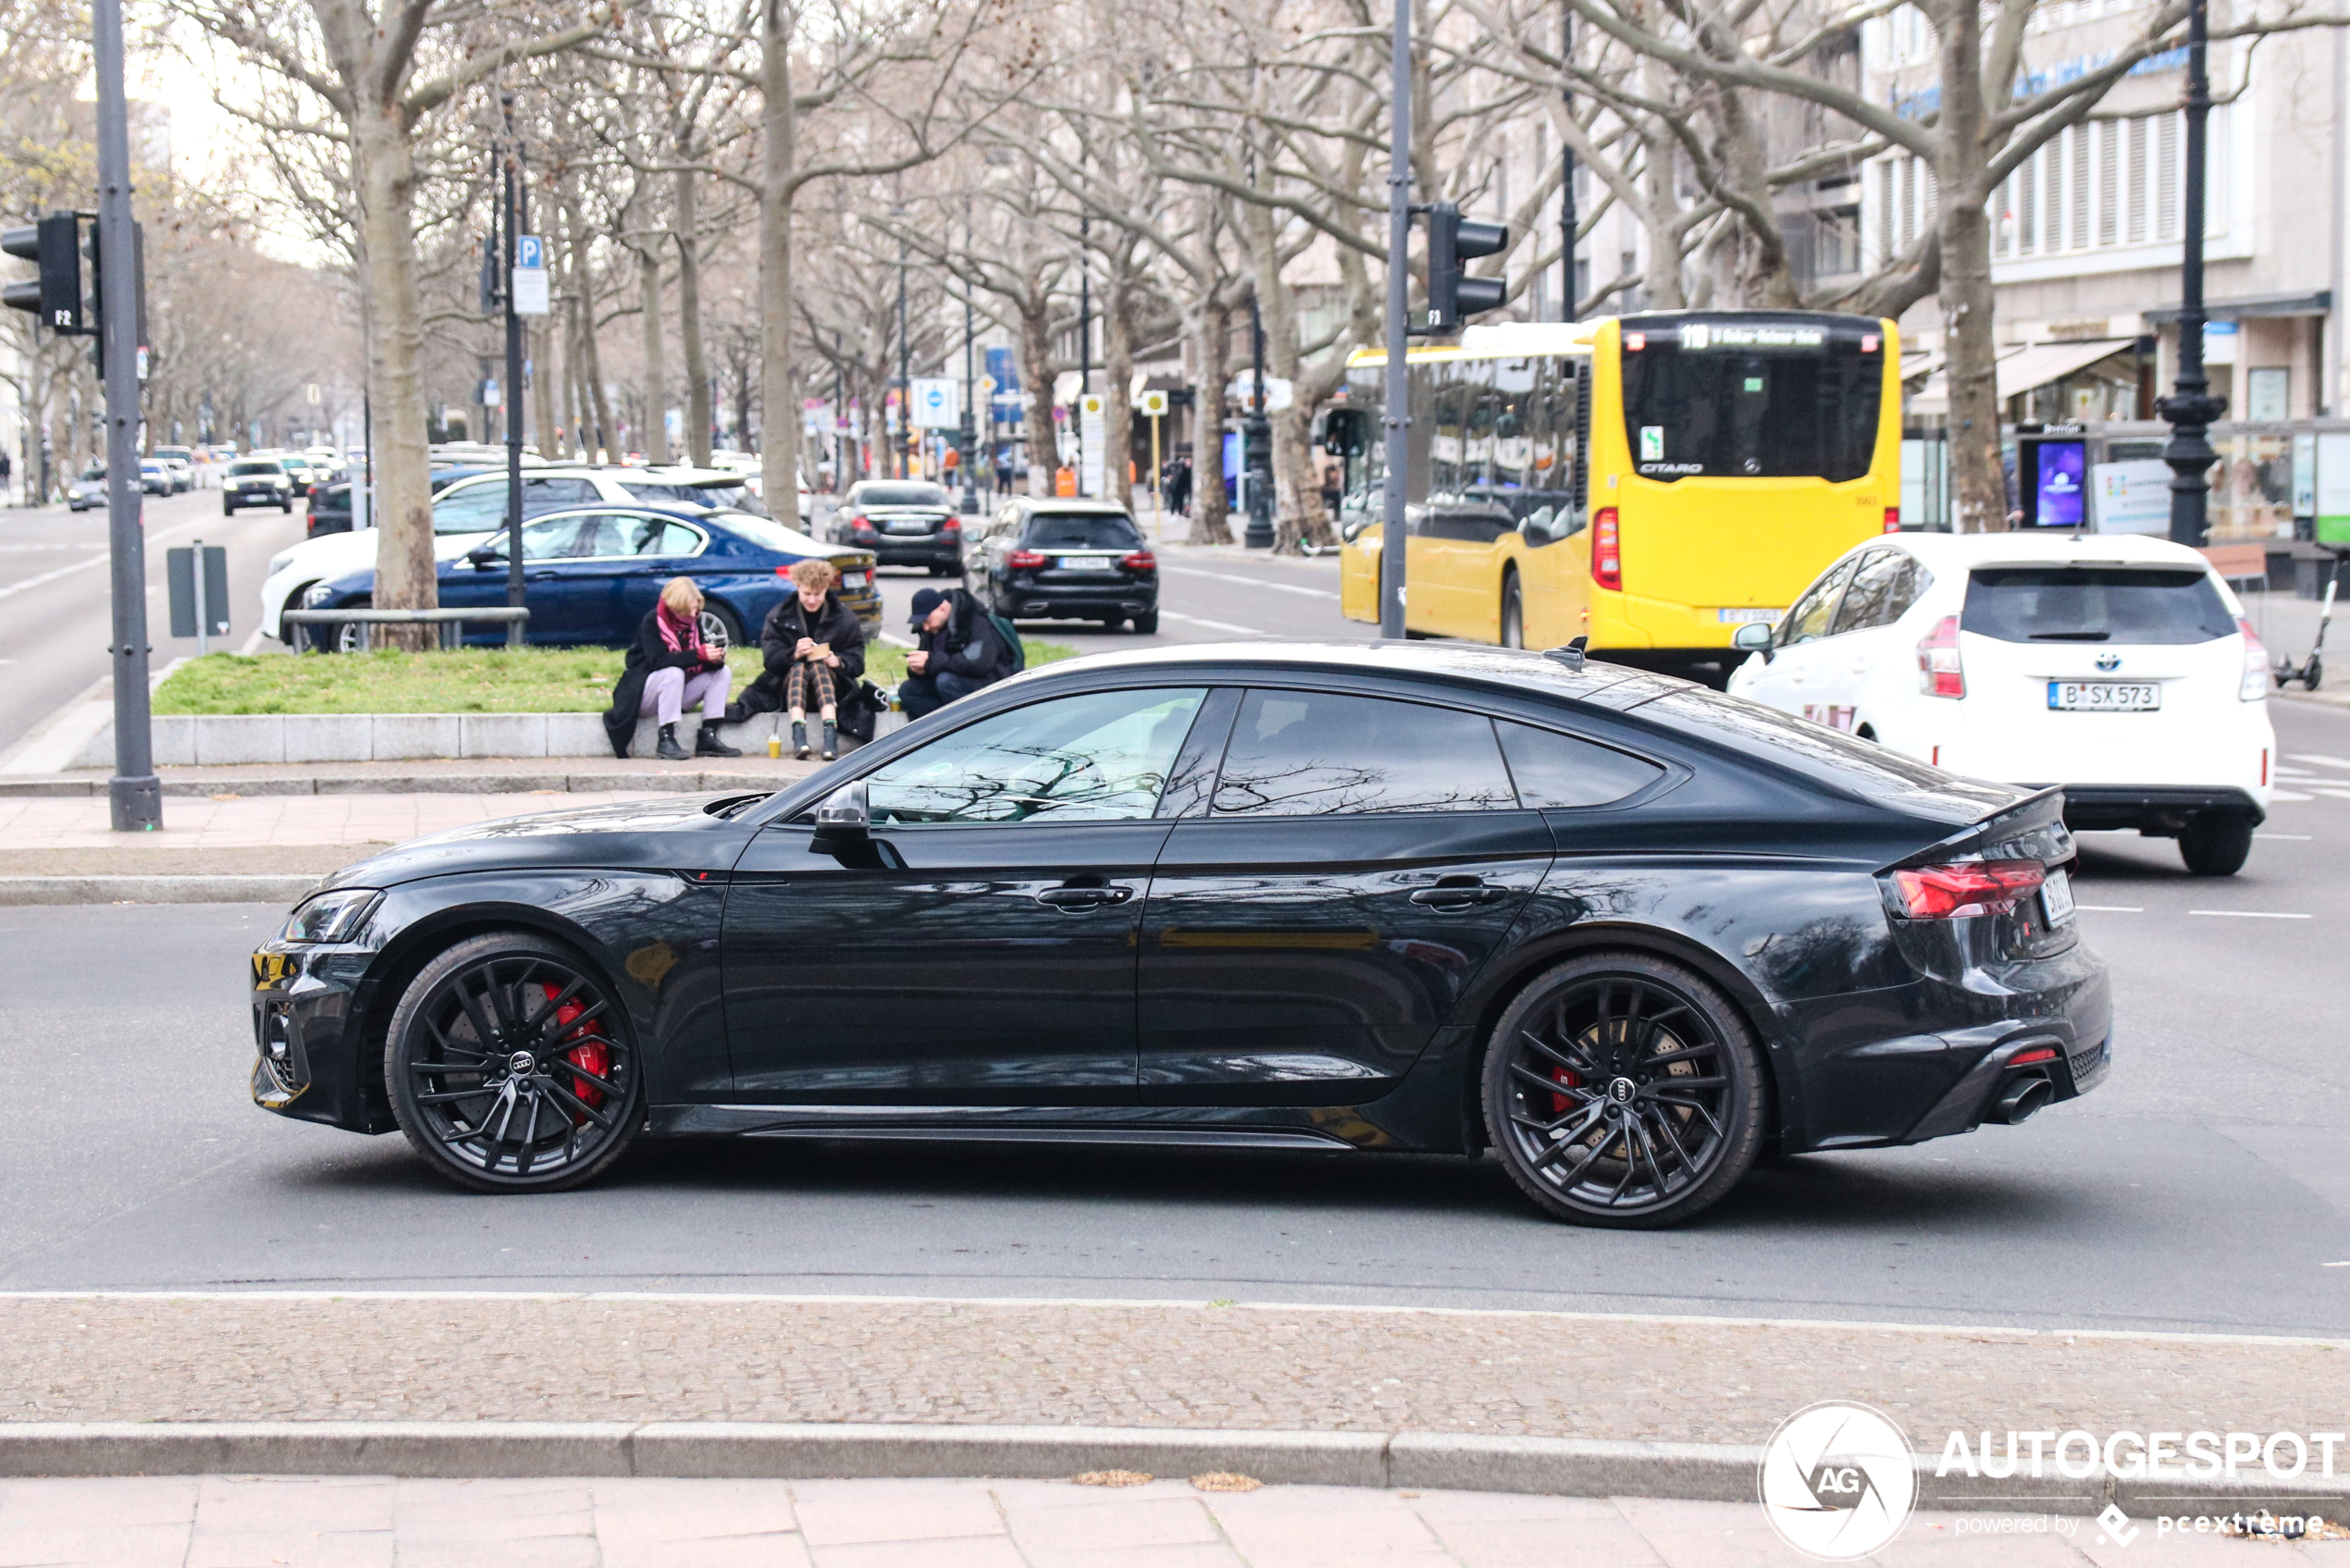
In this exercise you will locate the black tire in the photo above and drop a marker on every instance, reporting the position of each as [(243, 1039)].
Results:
[(286, 506), (469, 1052), (2314, 671), (1513, 611), (946, 571), (227, 508), (1145, 624), (2216, 843), (721, 626), (1582, 1061)]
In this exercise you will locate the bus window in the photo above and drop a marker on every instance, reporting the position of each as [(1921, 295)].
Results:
[(1764, 403)]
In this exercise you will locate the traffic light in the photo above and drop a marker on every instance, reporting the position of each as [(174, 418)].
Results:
[(1451, 241), (53, 244)]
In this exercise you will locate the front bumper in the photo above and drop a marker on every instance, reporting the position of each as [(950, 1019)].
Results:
[(2157, 810), (305, 1001)]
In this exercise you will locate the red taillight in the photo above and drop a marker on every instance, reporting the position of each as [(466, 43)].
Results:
[(2255, 685), (2037, 1053), (1892, 519), (860, 525), (1939, 672), (951, 525), (1141, 561), (1607, 550), (1021, 560), (1967, 887)]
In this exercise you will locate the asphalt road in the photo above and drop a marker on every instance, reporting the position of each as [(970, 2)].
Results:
[(56, 593), (2205, 1186)]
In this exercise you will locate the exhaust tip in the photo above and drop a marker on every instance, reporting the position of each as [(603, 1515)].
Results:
[(2021, 1100)]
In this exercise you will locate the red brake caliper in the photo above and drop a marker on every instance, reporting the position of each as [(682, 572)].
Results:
[(593, 1054), (1559, 1102)]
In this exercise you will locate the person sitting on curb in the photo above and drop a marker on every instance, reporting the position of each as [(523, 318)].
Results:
[(812, 639), (669, 666), (959, 650)]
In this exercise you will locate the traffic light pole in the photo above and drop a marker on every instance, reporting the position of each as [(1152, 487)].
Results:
[(1395, 412), (507, 247), (133, 793)]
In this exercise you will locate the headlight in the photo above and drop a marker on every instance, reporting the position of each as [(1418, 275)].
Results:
[(317, 594), (330, 916)]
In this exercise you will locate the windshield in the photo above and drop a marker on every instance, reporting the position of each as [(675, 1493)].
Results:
[(2099, 604), (255, 468), (1793, 398), (900, 495), (1082, 530)]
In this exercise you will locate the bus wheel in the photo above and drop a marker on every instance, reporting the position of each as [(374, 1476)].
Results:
[(1513, 611)]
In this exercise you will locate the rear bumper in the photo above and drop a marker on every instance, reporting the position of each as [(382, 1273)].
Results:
[(2158, 809), (1064, 602), (888, 552)]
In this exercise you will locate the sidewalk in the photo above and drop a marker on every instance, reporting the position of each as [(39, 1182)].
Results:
[(231, 1521)]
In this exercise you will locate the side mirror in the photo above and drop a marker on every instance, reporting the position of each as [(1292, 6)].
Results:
[(486, 556), (845, 830), (1753, 636)]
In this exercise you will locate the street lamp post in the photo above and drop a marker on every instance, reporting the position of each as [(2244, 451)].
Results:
[(1567, 175), (905, 376), (965, 436), (1256, 440), (509, 243), (1395, 412), (2191, 408)]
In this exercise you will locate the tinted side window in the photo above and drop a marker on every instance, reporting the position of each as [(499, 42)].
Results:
[(1298, 754), (1102, 757), (469, 509), (1809, 619), (1082, 530), (1556, 770), (544, 493), (1869, 601)]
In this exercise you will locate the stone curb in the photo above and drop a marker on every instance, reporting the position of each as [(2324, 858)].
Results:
[(218, 888), (1430, 1460), (568, 783)]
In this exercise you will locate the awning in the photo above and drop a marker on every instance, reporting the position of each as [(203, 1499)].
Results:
[(2022, 368), (2319, 303)]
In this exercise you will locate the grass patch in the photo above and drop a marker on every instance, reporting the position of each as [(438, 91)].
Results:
[(472, 680)]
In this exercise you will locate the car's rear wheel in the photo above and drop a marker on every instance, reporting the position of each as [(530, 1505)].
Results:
[(2216, 843), (1513, 611), (1146, 623), (720, 629), (510, 1069), (1624, 1091)]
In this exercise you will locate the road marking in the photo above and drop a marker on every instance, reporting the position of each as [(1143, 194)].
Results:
[(2251, 913), (2288, 794), (2325, 761), (2344, 1264), (252, 643), (31, 583), (2329, 794), (1216, 625), (1251, 582), (2114, 909), (2296, 837)]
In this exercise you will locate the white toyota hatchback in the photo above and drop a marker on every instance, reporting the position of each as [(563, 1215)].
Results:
[(2117, 665)]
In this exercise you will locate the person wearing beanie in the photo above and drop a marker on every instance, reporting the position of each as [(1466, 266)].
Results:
[(959, 650)]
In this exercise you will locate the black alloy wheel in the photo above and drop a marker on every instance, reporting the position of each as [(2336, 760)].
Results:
[(511, 1068), (1622, 1091)]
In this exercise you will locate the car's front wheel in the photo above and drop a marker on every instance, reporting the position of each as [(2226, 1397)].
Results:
[(2216, 843), (1624, 1091), (510, 1069)]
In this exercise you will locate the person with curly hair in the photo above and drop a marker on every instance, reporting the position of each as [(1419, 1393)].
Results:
[(814, 646)]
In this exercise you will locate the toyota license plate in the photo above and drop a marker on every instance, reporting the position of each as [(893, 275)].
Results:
[(2104, 696), (2056, 897)]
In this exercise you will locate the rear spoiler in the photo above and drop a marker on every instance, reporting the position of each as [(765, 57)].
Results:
[(2032, 829)]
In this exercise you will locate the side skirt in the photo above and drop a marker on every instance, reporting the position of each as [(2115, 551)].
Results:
[(1179, 1126)]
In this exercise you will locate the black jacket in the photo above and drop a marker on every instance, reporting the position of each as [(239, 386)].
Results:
[(835, 626), (650, 651), (969, 645)]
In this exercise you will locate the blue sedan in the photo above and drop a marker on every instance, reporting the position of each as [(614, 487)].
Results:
[(591, 575)]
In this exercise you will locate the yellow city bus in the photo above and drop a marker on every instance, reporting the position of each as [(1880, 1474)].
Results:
[(1647, 481)]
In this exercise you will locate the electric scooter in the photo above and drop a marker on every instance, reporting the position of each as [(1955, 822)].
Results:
[(2310, 671)]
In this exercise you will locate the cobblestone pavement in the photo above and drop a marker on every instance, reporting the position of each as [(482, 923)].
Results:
[(38, 822), (1256, 1367), (234, 1521)]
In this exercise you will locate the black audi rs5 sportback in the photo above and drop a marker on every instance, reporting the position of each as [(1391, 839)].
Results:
[(1625, 933)]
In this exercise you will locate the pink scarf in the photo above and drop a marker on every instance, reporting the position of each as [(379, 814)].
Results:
[(681, 636)]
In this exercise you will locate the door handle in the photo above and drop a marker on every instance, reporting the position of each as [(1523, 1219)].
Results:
[(1084, 897), (1459, 894), (539, 576)]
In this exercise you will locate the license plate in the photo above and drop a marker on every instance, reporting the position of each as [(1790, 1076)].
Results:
[(2104, 696), (1083, 563), (2056, 897), (1740, 615), (914, 527)]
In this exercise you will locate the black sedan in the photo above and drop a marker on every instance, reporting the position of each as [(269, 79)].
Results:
[(904, 523), (1630, 933), (1057, 560)]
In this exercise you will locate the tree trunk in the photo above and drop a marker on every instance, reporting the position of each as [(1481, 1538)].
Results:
[(1211, 341), (1036, 387), (545, 388), (778, 444), (689, 337), (1117, 376), (605, 448), (384, 180), (1969, 351), (656, 358)]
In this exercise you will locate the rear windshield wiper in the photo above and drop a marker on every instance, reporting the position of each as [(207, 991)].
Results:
[(2070, 636)]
